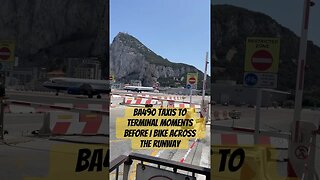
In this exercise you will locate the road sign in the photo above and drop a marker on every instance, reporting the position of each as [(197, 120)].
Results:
[(260, 80), (301, 147), (6, 66), (7, 51), (145, 172), (262, 54), (250, 79), (301, 152), (261, 60), (192, 79), (189, 86)]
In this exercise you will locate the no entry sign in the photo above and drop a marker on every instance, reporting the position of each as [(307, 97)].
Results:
[(262, 55), (192, 79), (6, 51), (261, 60)]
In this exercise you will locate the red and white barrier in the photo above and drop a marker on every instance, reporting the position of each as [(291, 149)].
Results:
[(155, 97), (25, 107), (70, 119), (247, 139), (175, 104), (139, 101), (68, 123)]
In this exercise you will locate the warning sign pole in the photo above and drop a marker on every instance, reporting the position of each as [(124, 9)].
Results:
[(2, 96), (190, 95), (257, 119), (204, 80)]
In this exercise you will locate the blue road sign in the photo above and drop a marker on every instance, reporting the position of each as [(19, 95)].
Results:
[(251, 79), (189, 86)]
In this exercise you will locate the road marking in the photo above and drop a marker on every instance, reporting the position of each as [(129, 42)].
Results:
[(189, 150)]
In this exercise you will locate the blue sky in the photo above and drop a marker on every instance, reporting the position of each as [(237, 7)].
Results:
[(286, 12), (178, 30)]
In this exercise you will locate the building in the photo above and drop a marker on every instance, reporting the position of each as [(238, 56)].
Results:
[(135, 83), (55, 73), (85, 68)]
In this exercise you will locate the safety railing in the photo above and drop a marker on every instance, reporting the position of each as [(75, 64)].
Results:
[(128, 160)]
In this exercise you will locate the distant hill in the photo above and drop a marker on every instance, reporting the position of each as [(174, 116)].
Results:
[(232, 25), (130, 60)]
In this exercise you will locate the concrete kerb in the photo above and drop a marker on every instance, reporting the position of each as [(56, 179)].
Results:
[(12, 140), (77, 141)]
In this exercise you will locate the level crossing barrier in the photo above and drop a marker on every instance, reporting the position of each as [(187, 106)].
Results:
[(301, 153), (63, 120)]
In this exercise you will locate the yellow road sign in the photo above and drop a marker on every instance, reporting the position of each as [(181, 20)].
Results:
[(262, 54)]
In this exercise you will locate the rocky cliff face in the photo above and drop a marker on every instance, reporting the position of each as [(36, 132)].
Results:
[(46, 29), (130, 59)]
